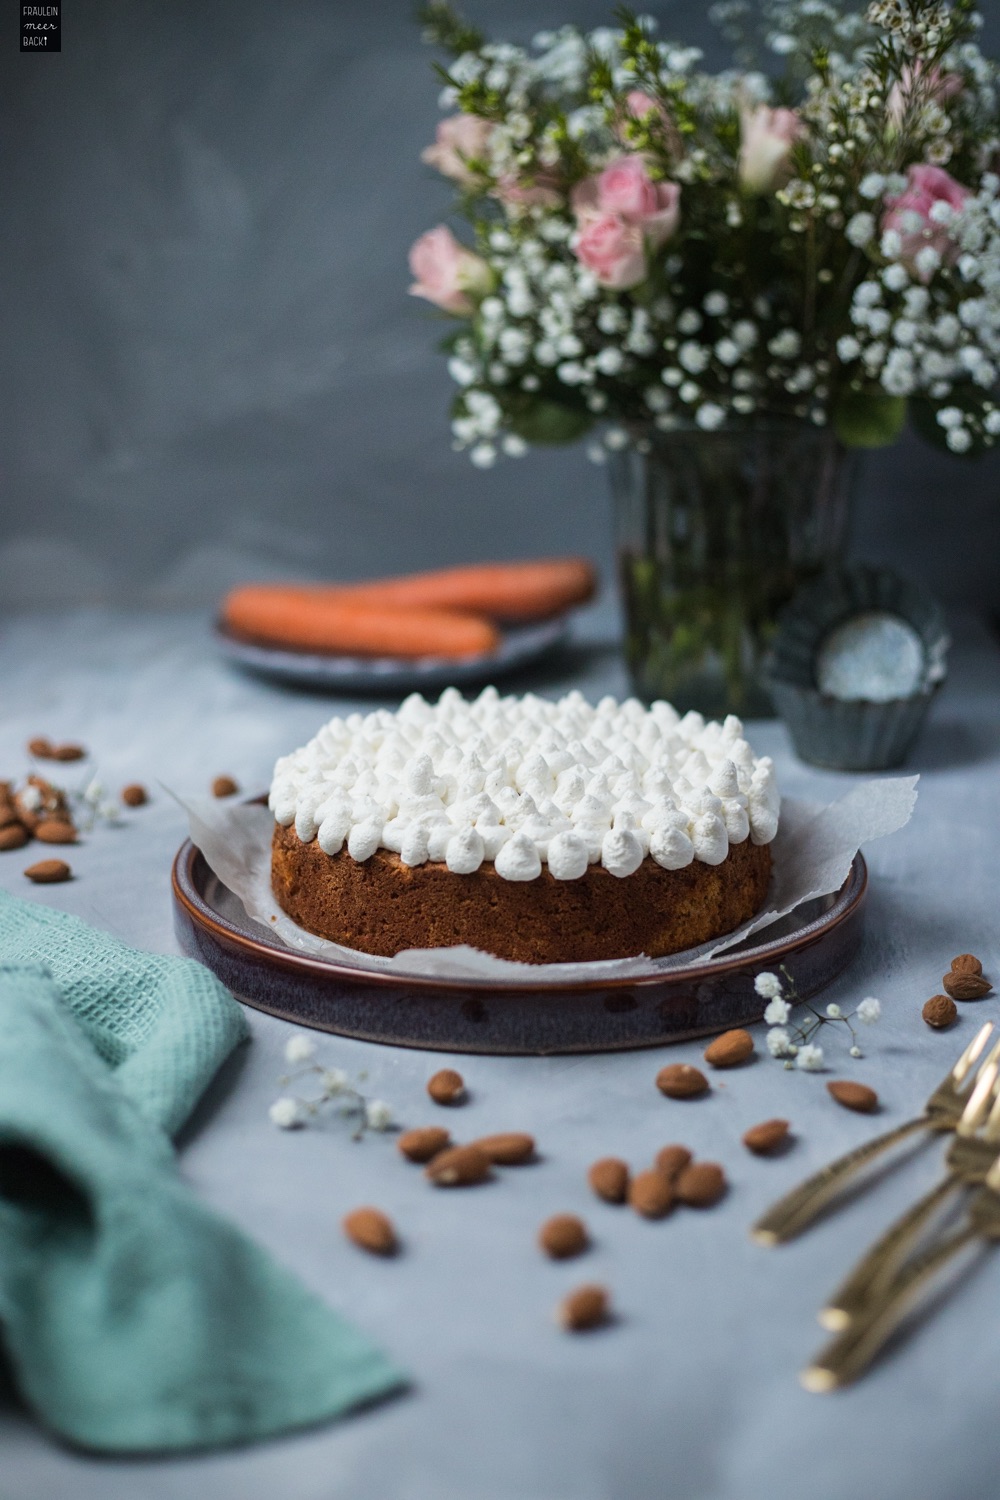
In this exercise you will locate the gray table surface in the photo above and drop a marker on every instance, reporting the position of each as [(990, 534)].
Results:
[(692, 1392)]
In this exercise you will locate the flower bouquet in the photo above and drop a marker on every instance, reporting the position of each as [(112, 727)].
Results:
[(722, 270)]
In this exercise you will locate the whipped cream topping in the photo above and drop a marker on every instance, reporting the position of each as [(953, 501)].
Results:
[(524, 782)]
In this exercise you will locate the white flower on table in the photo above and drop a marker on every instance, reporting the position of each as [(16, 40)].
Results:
[(869, 1010), (779, 1043), (286, 1113), (299, 1048), (810, 1058), (378, 1115), (768, 986), (778, 1012)]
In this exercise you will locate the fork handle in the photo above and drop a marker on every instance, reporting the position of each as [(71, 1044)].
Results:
[(849, 1354), (797, 1210), (877, 1266)]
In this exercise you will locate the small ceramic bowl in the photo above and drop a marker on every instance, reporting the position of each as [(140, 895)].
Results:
[(858, 657)]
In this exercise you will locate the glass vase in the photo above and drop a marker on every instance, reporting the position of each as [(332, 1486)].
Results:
[(715, 532)]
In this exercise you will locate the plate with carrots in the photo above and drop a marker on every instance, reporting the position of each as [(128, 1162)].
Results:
[(463, 624)]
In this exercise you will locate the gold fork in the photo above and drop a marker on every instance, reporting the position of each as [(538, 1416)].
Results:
[(849, 1354), (797, 1210), (970, 1156)]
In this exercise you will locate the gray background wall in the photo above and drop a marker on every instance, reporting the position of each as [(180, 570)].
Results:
[(209, 366)]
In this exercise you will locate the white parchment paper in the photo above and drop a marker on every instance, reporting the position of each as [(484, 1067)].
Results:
[(812, 856)]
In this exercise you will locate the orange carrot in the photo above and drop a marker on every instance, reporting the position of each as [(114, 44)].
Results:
[(503, 591), (310, 619)]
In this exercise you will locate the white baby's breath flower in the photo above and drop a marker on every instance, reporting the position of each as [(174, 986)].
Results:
[(710, 416), (334, 1080), (848, 348), (856, 1051), (299, 1048), (834, 1011), (869, 1010), (779, 1043), (872, 186), (810, 1058), (958, 440), (378, 1115), (896, 277), (768, 986), (483, 455), (777, 1012), (860, 229), (286, 1113)]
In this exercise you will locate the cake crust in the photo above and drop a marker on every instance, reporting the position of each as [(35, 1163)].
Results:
[(383, 906)]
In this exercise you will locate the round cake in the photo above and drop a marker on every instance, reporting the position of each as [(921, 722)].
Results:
[(538, 831)]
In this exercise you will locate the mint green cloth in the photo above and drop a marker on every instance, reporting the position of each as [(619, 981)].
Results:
[(133, 1318)]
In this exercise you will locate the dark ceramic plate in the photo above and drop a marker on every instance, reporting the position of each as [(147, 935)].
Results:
[(520, 644), (476, 1015)]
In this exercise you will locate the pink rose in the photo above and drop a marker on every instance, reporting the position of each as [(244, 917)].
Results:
[(918, 86), (766, 140), (446, 272), (625, 190), (459, 140), (909, 215), (613, 249)]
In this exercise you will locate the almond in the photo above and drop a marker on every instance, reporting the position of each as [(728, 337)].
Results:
[(40, 747), (55, 831), (510, 1149), (672, 1159), (13, 836), (49, 871), (730, 1049), (371, 1230), (650, 1194), (609, 1179), (966, 986), (8, 812), (134, 795), (447, 1087), (765, 1137), (459, 1166), (940, 1011), (68, 752), (224, 786), (584, 1308), (701, 1184), (423, 1143), (853, 1095), (681, 1081), (562, 1236), (966, 963)]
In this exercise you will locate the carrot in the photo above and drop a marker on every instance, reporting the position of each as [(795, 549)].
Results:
[(310, 619), (503, 591)]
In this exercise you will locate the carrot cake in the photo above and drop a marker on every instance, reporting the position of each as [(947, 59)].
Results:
[(539, 831)]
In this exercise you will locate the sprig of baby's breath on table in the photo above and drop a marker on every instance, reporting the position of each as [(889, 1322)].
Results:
[(337, 1094), (791, 1036)]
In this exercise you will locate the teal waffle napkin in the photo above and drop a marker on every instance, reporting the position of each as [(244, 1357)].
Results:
[(133, 1318)]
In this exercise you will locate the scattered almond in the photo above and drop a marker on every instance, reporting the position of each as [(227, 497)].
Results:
[(853, 1095), (134, 795), (681, 1081), (13, 836), (765, 1137), (459, 1166), (730, 1049), (651, 1194), (562, 1236), (49, 871), (40, 747), (609, 1179), (447, 1087), (55, 831), (940, 1011), (585, 1308), (371, 1230), (672, 1159), (424, 1143), (68, 752), (701, 1184), (966, 986), (224, 786), (966, 963), (510, 1149)]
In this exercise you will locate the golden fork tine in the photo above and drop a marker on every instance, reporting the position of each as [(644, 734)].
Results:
[(849, 1354), (796, 1210), (881, 1261)]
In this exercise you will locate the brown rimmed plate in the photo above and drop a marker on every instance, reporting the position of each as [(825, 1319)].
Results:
[(815, 943)]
